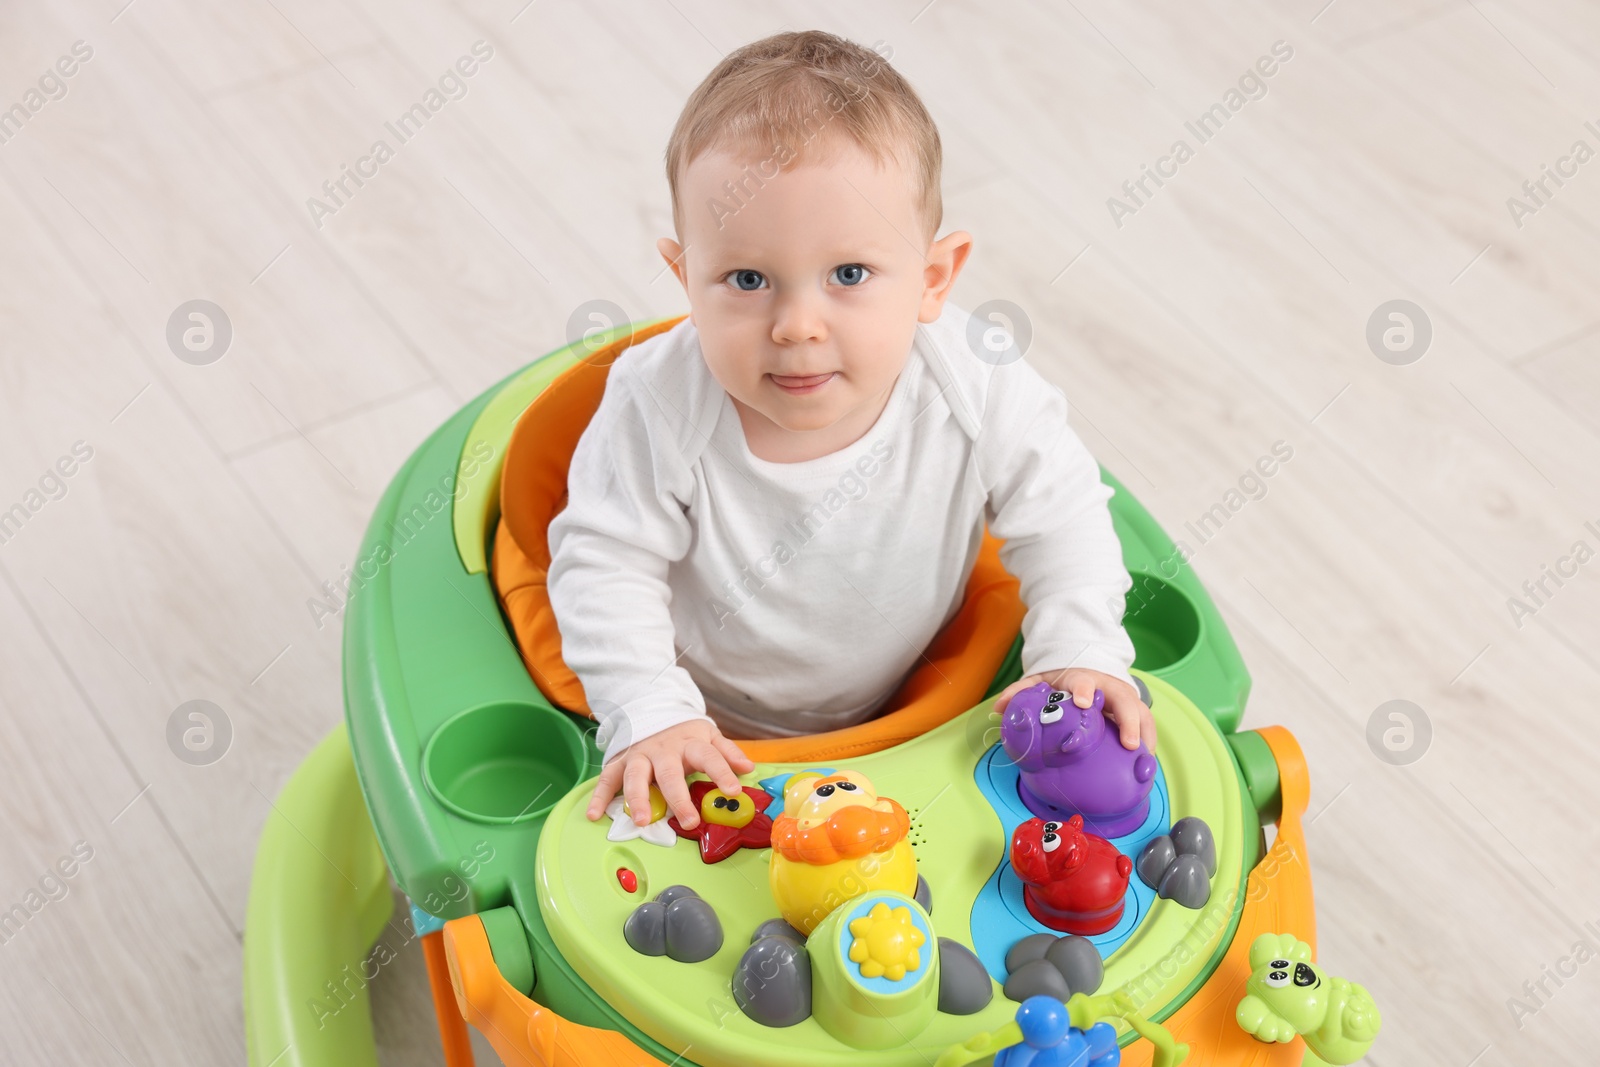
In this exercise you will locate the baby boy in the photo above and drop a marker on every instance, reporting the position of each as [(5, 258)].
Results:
[(777, 504)]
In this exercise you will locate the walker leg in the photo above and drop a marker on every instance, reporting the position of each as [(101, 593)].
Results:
[(452, 1027)]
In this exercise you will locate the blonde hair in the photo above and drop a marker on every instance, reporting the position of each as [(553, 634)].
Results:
[(772, 98)]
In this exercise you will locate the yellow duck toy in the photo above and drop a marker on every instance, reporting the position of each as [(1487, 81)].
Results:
[(836, 839)]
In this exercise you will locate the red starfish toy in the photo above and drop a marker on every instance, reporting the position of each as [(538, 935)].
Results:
[(727, 823)]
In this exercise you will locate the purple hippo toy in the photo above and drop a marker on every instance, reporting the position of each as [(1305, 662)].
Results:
[(1073, 762)]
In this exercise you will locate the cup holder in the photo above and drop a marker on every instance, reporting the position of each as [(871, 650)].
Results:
[(1162, 622), (504, 762)]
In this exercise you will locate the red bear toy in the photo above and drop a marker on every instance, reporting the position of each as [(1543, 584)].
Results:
[(1072, 881)]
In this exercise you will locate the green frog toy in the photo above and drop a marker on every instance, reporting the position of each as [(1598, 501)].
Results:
[(1290, 996)]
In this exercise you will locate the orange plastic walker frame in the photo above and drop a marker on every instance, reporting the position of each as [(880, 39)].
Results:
[(954, 677)]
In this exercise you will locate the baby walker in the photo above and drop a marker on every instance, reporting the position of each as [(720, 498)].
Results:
[(940, 884)]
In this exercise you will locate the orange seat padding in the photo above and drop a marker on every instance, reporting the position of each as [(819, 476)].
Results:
[(954, 675)]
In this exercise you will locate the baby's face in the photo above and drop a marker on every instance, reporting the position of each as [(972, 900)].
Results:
[(806, 287)]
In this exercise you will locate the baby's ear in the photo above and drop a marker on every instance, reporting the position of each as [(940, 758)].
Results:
[(674, 254), (944, 260)]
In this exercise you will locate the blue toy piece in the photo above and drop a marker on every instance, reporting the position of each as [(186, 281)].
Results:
[(774, 788), (1050, 1040), (422, 922)]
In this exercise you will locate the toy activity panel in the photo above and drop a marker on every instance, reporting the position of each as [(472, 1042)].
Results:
[(816, 949)]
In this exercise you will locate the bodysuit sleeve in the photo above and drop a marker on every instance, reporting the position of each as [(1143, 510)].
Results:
[(624, 524), (1046, 499)]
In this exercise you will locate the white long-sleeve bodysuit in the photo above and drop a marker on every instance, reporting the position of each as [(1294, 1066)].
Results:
[(690, 577)]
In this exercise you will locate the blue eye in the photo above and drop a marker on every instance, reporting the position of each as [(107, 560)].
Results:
[(748, 280), (850, 274)]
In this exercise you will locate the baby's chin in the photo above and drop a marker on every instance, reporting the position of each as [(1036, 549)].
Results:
[(799, 414), (796, 419), (803, 421)]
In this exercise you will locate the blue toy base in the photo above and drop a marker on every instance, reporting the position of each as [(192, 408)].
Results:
[(1000, 918)]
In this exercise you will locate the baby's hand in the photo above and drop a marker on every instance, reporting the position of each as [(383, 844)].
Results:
[(1123, 706), (696, 745)]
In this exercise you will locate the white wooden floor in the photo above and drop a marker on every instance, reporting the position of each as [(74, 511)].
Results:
[(1226, 312)]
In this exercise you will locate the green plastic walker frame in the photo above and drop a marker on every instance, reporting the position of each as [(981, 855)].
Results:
[(424, 642)]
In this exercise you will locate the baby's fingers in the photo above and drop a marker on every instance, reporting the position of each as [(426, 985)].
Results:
[(741, 763), (1128, 726), (605, 788), (1014, 688), (1082, 688), (1133, 720), (1147, 729), (636, 787), (669, 776), (701, 755)]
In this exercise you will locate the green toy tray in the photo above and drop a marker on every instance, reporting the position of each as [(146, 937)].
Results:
[(959, 843)]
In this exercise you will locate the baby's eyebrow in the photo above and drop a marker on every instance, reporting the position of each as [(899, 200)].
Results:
[(719, 260)]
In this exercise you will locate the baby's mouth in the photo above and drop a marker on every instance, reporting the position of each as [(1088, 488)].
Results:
[(803, 382)]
